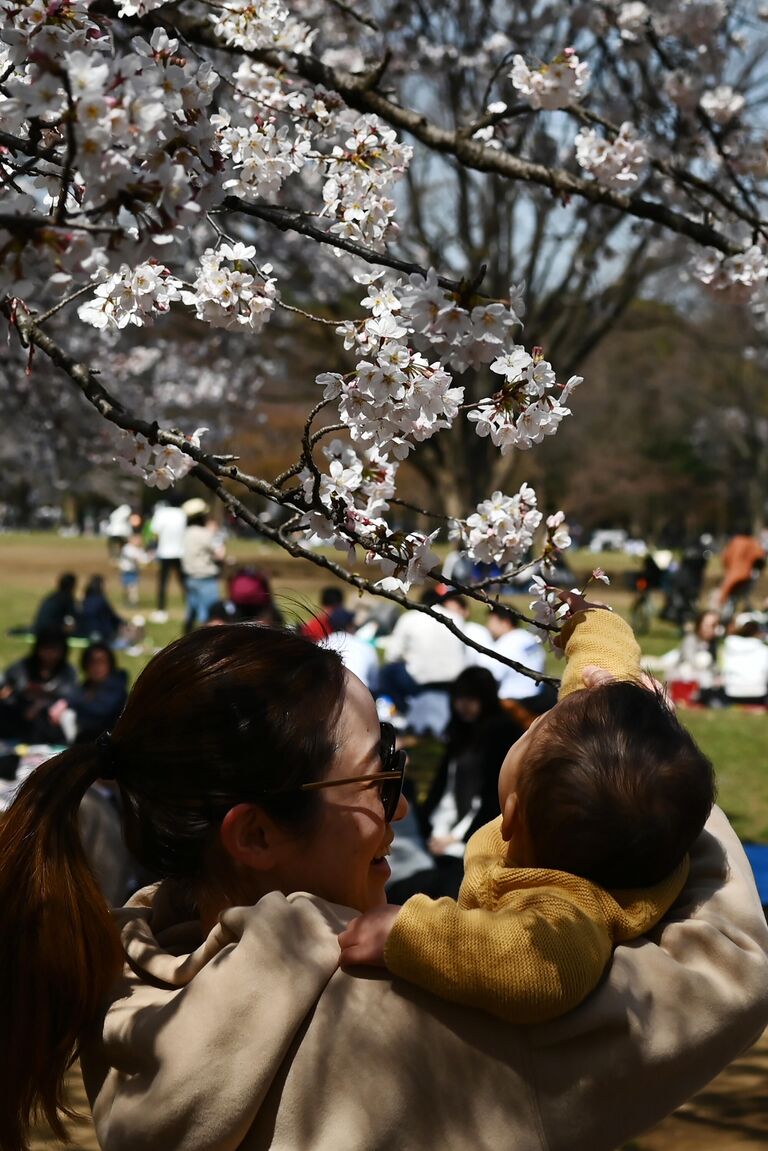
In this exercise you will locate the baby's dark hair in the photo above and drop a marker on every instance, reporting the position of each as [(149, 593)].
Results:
[(615, 789)]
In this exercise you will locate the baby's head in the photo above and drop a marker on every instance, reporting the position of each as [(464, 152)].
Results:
[(607, 785)]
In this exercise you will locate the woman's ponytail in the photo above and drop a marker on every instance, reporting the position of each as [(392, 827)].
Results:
[(59, 947)]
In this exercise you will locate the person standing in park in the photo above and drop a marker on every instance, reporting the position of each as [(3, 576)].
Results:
[(118, 529), (201, 561), (168, 526), (743, 557), (131, 559)]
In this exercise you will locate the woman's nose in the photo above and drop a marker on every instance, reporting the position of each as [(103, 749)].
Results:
[(401, 810)]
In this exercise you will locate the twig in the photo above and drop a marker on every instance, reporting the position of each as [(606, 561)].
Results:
[(63, 303), (14, 223), (69, 159), (291, 221), (348, 10)]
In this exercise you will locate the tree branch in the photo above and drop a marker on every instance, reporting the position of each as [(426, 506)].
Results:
[(213, 474)]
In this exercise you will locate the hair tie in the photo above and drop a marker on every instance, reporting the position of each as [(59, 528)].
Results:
[(105, 756)]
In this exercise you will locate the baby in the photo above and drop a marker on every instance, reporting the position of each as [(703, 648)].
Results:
[(601, 799)]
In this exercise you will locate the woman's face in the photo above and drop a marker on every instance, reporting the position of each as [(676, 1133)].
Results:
[(343, 857), (49, 656), (99, 667), (467, 708)]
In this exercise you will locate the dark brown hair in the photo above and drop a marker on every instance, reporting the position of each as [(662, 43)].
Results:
[(614, 789), (221, 716)]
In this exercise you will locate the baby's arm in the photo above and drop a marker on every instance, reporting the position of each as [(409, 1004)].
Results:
[(599, 638), (507, 961)]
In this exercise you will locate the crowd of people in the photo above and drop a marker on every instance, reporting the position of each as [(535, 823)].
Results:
[(450, 682), (722, 657)]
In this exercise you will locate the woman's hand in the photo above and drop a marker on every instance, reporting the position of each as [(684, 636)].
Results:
[(56, 710), (364, 939)]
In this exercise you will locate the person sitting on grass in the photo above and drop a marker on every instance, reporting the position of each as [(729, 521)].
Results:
[(601, 800)]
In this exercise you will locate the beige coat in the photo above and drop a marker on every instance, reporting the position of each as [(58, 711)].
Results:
[(257, 1040)]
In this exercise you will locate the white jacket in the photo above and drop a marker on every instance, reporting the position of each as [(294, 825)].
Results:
[(256, 1040)]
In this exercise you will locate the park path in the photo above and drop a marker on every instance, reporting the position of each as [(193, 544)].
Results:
[(731, 1114)]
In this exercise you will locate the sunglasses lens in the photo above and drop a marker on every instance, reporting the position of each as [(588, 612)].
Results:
[(387, 746), (391, 760)]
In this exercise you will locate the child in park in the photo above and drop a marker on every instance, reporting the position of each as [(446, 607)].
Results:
[(601, 799), (132, 557)]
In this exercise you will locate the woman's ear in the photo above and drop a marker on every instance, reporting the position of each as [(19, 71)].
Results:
[(249, 837)]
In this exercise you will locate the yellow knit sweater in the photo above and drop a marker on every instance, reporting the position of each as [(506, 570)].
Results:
[(529, 944)]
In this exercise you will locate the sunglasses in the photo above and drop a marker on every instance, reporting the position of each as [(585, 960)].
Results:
[(389, 779)]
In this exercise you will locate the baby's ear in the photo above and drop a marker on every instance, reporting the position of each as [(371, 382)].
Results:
[(510, 817)]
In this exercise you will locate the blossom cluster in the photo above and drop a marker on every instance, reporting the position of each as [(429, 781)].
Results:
[(722, 104), (502, 529), (404, 557), (147, 152), (266, 24), (366, 480), (227, 296), (262, 153), (395, 398), (553, 85), (130, 296), (158, 465), (735, 277), (529, 405), (618, 163), (360, 174)]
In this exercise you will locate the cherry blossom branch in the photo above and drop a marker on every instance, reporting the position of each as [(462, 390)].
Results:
[(213, 474), (682, 175), (86, 288), (111, 409), (288, 220), (357, 92)]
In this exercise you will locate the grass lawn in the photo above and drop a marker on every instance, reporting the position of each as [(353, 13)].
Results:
[(736, 741)]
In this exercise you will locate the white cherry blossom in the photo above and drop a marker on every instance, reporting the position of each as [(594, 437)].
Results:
[(553, 85), (618, 163)]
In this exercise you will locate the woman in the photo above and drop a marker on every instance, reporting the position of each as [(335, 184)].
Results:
[(33, 686), (101, 696), (255, 776), (464, 793), (745, 663)]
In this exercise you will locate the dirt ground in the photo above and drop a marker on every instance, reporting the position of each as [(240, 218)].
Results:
[(729, 1115)]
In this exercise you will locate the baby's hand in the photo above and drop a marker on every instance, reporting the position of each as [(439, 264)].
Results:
[(364, 939), (577, 602), (594, 676)]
